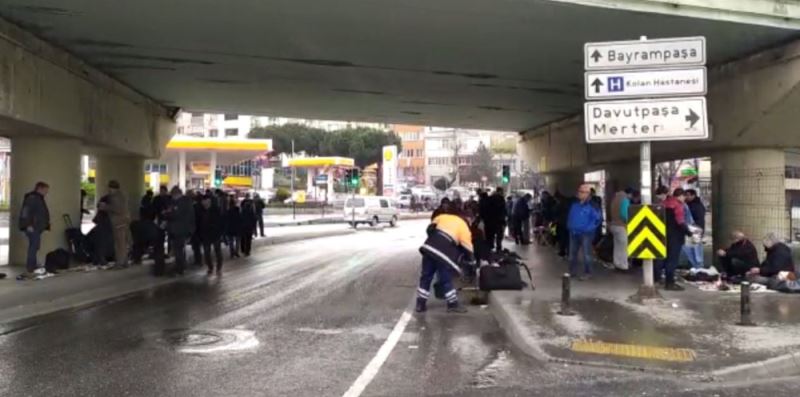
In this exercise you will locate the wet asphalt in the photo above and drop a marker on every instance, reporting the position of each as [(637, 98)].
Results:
[(301, 319)]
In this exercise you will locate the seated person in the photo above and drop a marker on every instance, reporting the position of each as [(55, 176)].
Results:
[(739, 258), (779, 259)]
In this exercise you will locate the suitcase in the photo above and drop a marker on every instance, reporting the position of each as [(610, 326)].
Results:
[(76, 241)]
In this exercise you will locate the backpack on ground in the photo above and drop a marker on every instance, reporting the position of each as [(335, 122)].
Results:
[(505, 276), (56, 260)]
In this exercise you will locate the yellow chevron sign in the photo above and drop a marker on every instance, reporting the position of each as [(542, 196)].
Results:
[(647, 232)]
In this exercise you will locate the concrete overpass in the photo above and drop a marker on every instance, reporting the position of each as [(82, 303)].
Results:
[(104, 77)]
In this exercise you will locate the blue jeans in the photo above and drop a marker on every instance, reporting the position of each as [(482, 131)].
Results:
[(668, 265), (694, 254), (34, 242), (577, 242)]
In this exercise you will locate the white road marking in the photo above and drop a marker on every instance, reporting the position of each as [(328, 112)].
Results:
[(371, 370)]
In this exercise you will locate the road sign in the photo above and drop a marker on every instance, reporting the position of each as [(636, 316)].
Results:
[(647, 232), (637, 54), (646, 120), (321, 179), (645, 83)]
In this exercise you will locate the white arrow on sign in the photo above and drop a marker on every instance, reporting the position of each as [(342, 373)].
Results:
[(646, 83), (646, 120), (640, 54)]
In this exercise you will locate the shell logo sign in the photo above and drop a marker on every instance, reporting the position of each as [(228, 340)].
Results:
[(389, 170), (388, 154)]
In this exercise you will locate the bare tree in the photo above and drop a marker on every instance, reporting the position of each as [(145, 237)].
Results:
[(667, 171)]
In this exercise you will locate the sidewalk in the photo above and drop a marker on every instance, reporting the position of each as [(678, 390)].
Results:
[(76, 289), (691, 332)]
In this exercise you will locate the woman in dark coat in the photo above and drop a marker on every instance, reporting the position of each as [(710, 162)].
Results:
[(233, 225)]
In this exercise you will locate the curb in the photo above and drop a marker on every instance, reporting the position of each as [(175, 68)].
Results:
[(512, 327), (40, 309), (785, 365), (781, 366)]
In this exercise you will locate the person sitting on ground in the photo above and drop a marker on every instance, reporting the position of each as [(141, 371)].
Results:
[(779, 259), (739, 258)]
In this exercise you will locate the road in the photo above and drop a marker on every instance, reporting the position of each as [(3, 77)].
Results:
[(303, 319)]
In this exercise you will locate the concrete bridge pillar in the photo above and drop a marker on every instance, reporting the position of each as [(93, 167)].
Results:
[(57, 162), (565, 182), (128, 171), (749, 194)]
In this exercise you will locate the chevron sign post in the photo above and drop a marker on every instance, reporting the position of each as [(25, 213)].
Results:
[(647, 232)]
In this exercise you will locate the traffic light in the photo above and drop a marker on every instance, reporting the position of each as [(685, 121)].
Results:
[(506, 174), (354, 177), (218, 178)]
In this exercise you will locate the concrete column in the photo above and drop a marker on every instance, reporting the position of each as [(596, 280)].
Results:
[(182, 170), (57, 162), (172, 171), (564, 182), (312, 173), (128, 171), (329, 186), (749, 194)]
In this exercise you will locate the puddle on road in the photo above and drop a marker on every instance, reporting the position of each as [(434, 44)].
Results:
[(195, 341)]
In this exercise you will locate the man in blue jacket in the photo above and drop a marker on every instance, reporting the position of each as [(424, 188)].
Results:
[(582, 223)]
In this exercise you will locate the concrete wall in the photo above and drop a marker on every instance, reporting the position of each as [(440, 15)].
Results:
[(47, 91)]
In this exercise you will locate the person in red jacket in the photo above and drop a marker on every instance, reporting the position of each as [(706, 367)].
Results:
[(677, 230)]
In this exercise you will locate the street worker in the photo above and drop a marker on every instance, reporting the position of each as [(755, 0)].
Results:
[(449, 241)]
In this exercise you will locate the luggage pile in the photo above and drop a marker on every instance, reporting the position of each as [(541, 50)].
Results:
[(503, 273)]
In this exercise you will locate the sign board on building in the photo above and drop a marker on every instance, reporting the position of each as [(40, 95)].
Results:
[(637, 54), (645, 83), (646, 120), (647, 232), (389, 170), (321, 179)]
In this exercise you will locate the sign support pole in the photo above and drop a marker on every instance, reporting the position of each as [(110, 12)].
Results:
[(647, 290)]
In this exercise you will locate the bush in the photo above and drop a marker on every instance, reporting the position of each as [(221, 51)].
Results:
[(91, 191), (282, 194)]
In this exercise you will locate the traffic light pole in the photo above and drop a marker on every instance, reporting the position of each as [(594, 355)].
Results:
[(294, 204)]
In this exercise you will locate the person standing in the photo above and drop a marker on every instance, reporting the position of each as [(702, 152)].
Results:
[(118, 213), (146, 209), (677, 231), (161, 204), (522, 216), (34, 219), (197, 246), (694, 251), (495, 219), (619, 229), (180, 225), (209, 230), (248, 225), (582, 222), (260, 205), (233, 226)]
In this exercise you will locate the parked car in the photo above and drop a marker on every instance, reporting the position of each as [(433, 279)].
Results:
[(370, 210)]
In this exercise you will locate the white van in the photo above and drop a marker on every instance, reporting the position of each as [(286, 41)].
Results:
[(371, 210)]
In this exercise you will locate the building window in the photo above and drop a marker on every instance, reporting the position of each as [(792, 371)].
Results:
[(231, 117), (231, 132), (213, 132), (180, 130)]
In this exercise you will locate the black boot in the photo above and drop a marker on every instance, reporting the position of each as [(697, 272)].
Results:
[(455, 307), (422, 305)]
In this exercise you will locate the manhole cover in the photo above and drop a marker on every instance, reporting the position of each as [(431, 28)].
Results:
[(200, 341)]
